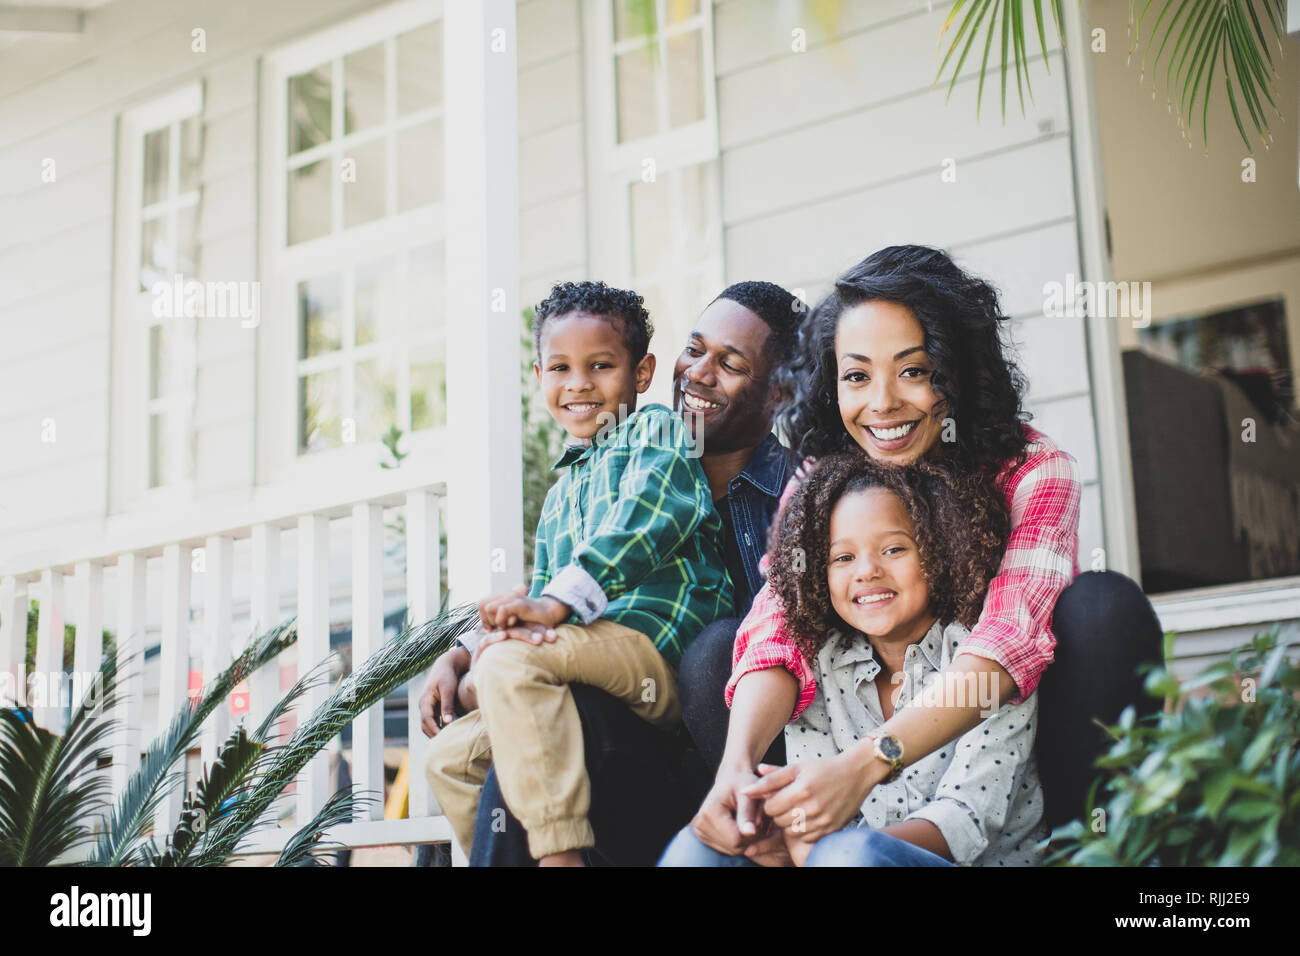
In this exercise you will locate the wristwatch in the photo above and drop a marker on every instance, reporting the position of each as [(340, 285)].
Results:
[(889, 749)]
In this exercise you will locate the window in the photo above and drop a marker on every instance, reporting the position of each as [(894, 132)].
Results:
[(657, 213), (354, 195), (160, 167)]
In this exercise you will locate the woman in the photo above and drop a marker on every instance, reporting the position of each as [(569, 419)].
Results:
[(904, 359)]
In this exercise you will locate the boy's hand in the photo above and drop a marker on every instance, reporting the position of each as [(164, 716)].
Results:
[(546, 611), (487, 607)]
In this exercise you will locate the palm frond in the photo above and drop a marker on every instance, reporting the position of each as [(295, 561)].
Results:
[(392, 665), (48, 787), (122, 837), (226, 775), (1205, 39), (305, 848)]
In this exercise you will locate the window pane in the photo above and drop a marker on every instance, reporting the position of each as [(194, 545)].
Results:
[(363, 183), (679, 10), (165, 451), (309, 201), (685, 79), (634, 75), (156, 147), (187, 241), (162, 362), (419, 68), (363, 89), (699, 238), (191, 153), (376, 397), (634, 18), (320, 401), (429, 386), (426, 289), (155, 252), (310, 104), (377, 302), (320, 317), (651, 226), (419, 165)]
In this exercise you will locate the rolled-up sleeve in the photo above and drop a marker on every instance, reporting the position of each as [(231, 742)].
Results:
[(763, 642), (1015, 627), (976, 792)]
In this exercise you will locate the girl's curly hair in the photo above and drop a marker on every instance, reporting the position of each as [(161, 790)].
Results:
[(961, 320), (960, 521)]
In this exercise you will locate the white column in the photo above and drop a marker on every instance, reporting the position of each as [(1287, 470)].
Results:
[(367, 636), (423, 568), (48, 673), (313, 647), (174, 669), (264, 614), (130, 643), (217, 578), (484, 517), (13, 642), (89, 652)]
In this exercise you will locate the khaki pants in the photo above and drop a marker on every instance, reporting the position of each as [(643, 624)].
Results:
[(528, 725)]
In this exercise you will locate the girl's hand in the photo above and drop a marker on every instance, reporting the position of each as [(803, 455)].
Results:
[(771, 850), (796, 849), (814, 798)]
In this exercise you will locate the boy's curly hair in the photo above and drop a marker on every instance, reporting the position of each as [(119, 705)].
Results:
[(961, 526), (625, 310)]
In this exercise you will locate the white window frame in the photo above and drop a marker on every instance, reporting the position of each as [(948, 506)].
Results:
[(283, 266), (133, 320), (614, 166)]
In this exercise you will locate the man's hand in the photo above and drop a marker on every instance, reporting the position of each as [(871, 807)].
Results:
[(728, 820), (816, 797), (467, 694), (532, 633), (438, 699)]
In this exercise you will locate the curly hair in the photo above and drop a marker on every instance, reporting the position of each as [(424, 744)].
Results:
[(961, 527), (973, 370), (782, 310), (624, 309)]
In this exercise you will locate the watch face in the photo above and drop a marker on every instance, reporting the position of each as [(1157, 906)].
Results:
[(890, 747)]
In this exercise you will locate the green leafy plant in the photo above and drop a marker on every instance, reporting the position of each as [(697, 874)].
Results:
[(1207, 41), (1212, 780)]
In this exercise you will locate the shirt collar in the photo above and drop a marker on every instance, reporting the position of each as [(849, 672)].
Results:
[(857, 649), (767, 467)]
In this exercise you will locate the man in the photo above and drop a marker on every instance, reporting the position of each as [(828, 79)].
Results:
[(644, 785)]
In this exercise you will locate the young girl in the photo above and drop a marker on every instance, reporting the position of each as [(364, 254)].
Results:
[(882, 570)]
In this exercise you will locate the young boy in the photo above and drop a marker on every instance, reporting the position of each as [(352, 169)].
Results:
[(628, 569)]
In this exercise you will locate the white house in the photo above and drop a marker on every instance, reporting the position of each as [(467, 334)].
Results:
[(240, 240)]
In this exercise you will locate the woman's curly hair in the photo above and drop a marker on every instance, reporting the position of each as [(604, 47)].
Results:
[(961, 320), (960, 520)]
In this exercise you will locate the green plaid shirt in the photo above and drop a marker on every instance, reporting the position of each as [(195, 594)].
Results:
[(631, 530)]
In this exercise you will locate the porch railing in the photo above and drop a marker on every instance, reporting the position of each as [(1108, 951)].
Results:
[(130, 550)]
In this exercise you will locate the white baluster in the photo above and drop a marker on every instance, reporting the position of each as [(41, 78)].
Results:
[(264, 614), (367, 636), (174, 670), (218, 575), (422, 603), (89, 649), (313, 647), (129, 713), (13, 642), (48, 676)]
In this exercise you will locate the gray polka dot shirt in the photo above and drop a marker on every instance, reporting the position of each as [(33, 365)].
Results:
[(982, 790)]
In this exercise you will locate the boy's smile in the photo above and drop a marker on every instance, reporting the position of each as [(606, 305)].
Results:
[(587, 374)]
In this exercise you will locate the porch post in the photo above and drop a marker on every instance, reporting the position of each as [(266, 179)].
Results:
[(485, 479)]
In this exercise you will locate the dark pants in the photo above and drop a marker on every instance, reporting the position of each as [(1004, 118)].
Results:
[(1105, 628), (646, 784)]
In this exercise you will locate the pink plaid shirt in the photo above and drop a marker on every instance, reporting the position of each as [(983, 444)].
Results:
[(1015, 628)]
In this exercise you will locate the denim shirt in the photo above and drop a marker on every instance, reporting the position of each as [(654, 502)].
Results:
[(752, 498)]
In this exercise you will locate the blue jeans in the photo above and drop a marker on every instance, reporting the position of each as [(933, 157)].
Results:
[(852, 846)]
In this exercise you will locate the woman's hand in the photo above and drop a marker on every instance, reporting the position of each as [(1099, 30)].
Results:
[(774, 849), (729, 821), (816, 797)]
